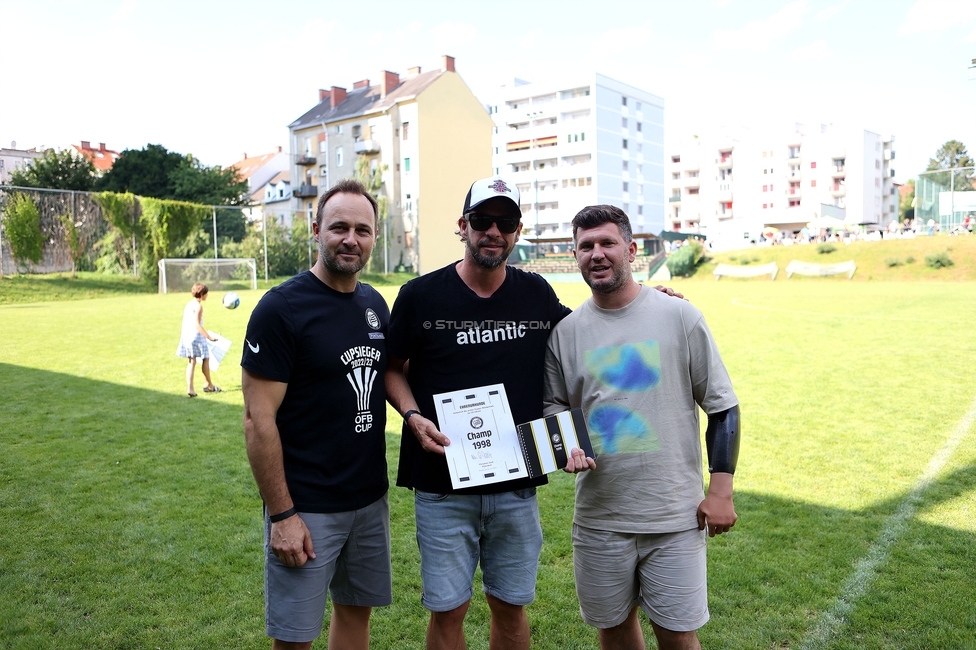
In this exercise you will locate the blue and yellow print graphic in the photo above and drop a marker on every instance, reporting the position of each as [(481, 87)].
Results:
[(631, 368)]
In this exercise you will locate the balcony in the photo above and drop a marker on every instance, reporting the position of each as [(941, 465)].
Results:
[(694, 181), (304, 191), (305, 160), (838, 190), (839, 172), (794, 192), (674, 199), (722, 216), (724, 196), (725, 163), (366, 146)]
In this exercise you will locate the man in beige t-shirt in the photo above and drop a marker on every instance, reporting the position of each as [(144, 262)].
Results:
[(640, 365)]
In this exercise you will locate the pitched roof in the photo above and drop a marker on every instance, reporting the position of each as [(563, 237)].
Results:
[(361, 101), (250, 164), (101, 158)]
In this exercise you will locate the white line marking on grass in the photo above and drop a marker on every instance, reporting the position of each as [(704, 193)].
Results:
[(832, 620)]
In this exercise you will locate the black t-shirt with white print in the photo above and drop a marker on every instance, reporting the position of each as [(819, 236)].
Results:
[(455, 339), (330, 348)]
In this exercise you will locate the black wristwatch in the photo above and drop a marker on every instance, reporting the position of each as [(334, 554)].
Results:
[(406, 416)]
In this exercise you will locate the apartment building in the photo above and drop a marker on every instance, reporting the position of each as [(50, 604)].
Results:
[(568, 144), (425, 133), (268, 179), (13, 158), (731, 187)]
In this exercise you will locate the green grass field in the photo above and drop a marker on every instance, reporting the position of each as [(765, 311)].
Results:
[(131, 519)]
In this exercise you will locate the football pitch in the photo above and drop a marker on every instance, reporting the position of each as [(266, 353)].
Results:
[(131, 520)]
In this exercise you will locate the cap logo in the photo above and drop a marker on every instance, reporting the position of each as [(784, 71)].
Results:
[(499, 186)]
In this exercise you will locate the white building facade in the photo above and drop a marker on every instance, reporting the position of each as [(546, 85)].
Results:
[(567, 145), (730, 188)]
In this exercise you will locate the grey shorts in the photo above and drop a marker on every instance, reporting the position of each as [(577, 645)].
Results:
[(663, 573), (352, 564)]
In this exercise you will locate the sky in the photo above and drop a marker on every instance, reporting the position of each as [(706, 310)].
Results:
[(218, 79)]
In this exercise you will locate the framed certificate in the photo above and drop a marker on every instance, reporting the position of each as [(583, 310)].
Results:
[(486, 445)]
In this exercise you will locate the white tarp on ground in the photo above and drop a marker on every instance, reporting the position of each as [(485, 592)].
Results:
[(746, 271), (809, 268)]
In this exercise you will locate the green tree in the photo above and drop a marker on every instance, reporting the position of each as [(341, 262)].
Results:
[(57, 171), (22, 224), (144, 172), (949, 156), (905, 209), (198, 183), (952, 155), (372, 178)]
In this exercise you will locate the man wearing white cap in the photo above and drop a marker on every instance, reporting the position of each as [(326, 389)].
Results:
[(472, 323)]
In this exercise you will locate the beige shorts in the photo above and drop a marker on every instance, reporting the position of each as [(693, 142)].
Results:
[(663, 573)]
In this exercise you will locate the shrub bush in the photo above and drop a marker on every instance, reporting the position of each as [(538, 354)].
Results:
[(825, 248), (938, 260), (909, 260), (685, 259), (22, 223), (892, 262)]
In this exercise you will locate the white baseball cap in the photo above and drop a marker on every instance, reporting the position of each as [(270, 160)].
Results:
[(492, 188)]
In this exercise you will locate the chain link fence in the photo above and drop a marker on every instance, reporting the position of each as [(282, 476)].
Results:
[(83, 211)]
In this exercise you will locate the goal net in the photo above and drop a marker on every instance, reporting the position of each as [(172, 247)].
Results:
[(179, 275)]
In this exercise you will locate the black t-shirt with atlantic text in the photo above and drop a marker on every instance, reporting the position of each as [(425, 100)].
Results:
[(330, 348), (455, 339)]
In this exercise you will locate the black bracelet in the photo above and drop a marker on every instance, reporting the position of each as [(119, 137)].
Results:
[(406, 416), (282, 515)]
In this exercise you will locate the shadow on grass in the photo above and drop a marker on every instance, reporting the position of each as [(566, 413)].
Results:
[(131, 520)]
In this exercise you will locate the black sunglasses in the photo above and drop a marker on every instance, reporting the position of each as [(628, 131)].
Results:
[(481, 222)]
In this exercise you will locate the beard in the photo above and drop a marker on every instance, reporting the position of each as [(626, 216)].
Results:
[(618, 279), (487, 261), (332, 261)]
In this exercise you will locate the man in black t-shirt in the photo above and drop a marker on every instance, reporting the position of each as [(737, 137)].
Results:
[(473, 323), (314, 424)]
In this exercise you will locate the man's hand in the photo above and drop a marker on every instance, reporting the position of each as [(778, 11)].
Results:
[(578, 462), (669, 291), (717, 512), (291, 542), (427, 434)]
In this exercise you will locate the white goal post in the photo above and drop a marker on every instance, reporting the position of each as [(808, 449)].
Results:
[(179, 275)]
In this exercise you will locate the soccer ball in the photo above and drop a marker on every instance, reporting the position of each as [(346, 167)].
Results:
[(231, 300)]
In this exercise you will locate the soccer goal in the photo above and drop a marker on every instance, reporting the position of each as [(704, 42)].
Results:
[(179, 275)]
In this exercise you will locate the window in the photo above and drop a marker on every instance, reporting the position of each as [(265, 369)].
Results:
[(693, 190), (764, 206), (357, 132), (877, 164), (623, 122), (764, 188), (406, 165), (338, 128), (675, 159), (676, 175), (640, 208), (813, 183), (638, 108), (338, 156), (624, 145), (770, 187), (406, 130), (639, 124), (813, 165), (323, 145), (625, 165), (624, 101), (626, 186)]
